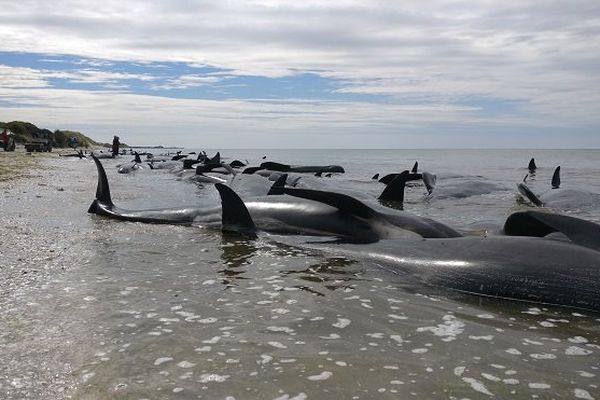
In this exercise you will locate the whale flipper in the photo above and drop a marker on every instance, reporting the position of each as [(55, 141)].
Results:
[(532, 167), (429, 181), (340, 201), (277, 187), (556, 178), (525, 191), (536, 223), (235, 216), (394, 191)]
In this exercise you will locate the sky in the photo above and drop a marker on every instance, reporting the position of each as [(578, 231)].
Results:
[(306, 74)]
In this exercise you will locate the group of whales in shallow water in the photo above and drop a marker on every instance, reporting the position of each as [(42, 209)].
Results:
[(539, 256)]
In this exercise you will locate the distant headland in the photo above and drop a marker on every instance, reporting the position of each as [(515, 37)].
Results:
[(26, 131)]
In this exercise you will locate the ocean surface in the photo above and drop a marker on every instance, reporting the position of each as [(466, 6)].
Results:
[(93, 308)]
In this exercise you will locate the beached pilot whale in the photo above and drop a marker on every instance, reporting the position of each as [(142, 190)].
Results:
[(131, 166), (528, 269), (518, 268), (278, 167), (559, 198), (298, 211)]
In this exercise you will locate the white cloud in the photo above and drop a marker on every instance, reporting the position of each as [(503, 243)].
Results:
[(540, 54)]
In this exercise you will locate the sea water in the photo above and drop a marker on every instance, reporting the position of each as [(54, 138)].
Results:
[(93, 308)]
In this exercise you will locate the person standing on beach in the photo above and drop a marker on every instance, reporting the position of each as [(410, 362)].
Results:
[(115, 146)]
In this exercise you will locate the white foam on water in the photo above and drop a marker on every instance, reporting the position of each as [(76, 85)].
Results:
[(277, 345), (185, 364), (342, 323), (578, 339), (477, 386), (577, 351), (583, 394), (449, 330), (397, 338), (513, 351), (162, 360), (543, 356), (206, 378), (486, 337), (280, 329), (538, 385), (420, 350), (321, 377)]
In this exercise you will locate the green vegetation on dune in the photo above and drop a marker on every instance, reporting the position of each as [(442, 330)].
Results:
[(25, 131)]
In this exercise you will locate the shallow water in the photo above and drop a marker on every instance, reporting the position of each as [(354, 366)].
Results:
[(93, 308)]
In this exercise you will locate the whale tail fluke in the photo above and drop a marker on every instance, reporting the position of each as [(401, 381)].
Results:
[(415, 167), (235, 216), (102, 190), (527, 193), (394, 191), (278, 186), (532, 167), (556, 178)]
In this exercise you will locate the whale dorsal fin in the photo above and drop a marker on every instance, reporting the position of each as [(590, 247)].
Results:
[(215, 160), (137, 158), (376, 176), (537, 223), (278, 186), (319, 174), (394, 191), (525, 191), (415, 167), (532, 167), (234, 214), (556, 178), (340, 201), (102, 190)]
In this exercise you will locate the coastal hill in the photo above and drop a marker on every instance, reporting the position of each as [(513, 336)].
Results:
[(25, 131)]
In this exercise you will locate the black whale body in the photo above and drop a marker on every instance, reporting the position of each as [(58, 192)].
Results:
[(528, 269), (299, 211), (274, 166)]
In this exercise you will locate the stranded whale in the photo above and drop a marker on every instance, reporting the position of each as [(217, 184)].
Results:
[(298, 211), (518, 268)]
